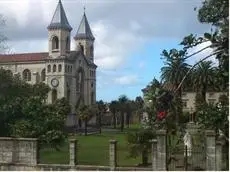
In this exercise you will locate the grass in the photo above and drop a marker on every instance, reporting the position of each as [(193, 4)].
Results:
[(93, 150)]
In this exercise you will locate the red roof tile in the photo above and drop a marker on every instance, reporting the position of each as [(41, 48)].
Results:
[(23, 57)]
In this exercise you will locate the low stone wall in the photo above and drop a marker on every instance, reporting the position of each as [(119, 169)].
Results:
[(58, 167), (18, 150)]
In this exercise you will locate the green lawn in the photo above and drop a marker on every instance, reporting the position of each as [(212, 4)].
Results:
[(93, 150)]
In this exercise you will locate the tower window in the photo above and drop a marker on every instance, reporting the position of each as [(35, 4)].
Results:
[(27, 75), (49, 68), (91, 51), (54, 68), (43, 75), (67, 43), (55, 43), (82, 48), (59, 68), (68, 68)]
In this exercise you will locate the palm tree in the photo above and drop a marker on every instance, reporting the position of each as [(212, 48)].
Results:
[(122, 104), (203, 77), (84, 114), (113, 107), (172, 74), (101, 108)]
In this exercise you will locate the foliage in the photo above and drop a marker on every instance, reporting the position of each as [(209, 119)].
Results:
[(215, 117), (24, 113), (139, 143), (122, 104), (113, 107)]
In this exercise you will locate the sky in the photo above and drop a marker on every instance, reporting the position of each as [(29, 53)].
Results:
[(130, 35)]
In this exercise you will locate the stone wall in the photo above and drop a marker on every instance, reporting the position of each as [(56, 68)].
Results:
[(18, 150)]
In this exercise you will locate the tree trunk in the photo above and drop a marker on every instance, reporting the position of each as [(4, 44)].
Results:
[(114, 120), (122, 121), (127, 119), (100, 123), (86, 123), (145, 157)]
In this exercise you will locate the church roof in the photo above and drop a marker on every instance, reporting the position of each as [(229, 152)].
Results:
[(59, 20), (84, 31), (23, 57)]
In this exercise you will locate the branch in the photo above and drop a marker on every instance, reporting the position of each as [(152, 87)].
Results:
[(194, 66), (198, 52)]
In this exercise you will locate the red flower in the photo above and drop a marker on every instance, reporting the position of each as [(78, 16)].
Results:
[(161, 115)]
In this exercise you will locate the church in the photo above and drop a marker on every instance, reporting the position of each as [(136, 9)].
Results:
[(69, 74)]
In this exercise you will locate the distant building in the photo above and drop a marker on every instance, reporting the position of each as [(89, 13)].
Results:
[(70, 74), (189, 98)]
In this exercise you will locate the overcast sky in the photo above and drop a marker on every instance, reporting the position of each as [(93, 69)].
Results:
[(130, 35)]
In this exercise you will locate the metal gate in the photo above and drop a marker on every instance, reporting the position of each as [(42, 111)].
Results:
[(181, 158)]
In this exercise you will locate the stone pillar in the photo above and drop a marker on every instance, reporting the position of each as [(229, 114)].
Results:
[(73, 152), (219, 156), (161, 150), (210, 150), (154, 154), (113, 154)]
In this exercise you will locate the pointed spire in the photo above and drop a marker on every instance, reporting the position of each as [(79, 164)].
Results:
[(59, 20), (84, 31)]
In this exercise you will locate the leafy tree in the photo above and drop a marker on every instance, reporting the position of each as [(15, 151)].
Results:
[(139, 144), (139, 102), (24, 113)]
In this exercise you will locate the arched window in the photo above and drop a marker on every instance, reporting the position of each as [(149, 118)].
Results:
[(26, 75), (82, 48), (59, 68), (67, 44), (43, 75), (49, 68), (54, 68), (91, 51), (55, 43), (54, 95), (65, 68), (68, 68), (92, 97)]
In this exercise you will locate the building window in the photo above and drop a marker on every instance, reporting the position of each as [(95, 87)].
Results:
[(26, 75), (91, 85), (59, 68), (211, 94), (65, 68), (54, 68), (67, 43), (79, 62), (54, 95), (211, 101), (43, 75), (71, 69), (82, 48), (91, 51), (9, 72), (68, 69), (49, 68), (55, 43), (92, 98)]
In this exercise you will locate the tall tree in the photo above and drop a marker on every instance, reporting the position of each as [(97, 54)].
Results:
[(122, 101), (203, 77), (113, 107), (173, 72), (101, 109)]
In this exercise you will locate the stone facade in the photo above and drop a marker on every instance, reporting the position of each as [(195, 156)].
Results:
[(69, 74)]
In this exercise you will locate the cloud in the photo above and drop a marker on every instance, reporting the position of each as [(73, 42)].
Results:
[(141, 64), (126, 80), (194, 59)]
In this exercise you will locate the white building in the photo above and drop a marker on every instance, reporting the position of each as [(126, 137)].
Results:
[(70, 74)]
